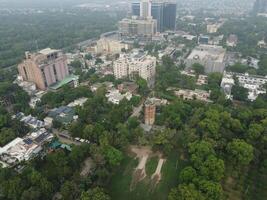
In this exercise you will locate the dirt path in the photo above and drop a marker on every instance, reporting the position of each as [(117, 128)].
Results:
[(157, 173), (142, 153)]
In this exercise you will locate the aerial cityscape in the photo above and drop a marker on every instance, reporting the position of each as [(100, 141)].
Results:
[(133, 100)]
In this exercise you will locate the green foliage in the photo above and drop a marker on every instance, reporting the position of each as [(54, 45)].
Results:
[(50, 29), (240, 152), (198, 68), (239, 93), (76, 64), (95, 194), (238, 67)]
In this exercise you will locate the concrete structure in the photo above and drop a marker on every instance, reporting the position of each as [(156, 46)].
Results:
[(213, 28), (164, 11), (44, 68), (196, 94), (110, 46), (130, 65), (232, 40), (150, 112), (29, 120), (114, 96), (23, 149), (145, 9), (144, 28), (63, 114), (211, 57), (254, 84)]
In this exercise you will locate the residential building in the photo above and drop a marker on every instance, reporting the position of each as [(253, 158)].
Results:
[(114, 96), (144, 28), (44, 68), (254, 84), (213, 28), (150, 112), (196, 94), (130, 65), (78, 102), (110, 46), (260, 6), (145, 8), (232, 40), (24, 149), (29, 120), (63, 114), (210, 56)]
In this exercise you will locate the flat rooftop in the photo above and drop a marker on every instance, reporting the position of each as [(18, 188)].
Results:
[(48, 51), (208, 52)]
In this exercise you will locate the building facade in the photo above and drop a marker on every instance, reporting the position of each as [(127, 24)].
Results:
[(128, 66), (137, 27), (210, 56), (150, 112), (44, 68), (164, 11)]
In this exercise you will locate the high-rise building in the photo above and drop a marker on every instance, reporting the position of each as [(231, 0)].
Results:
[(260, 6), (169, 16), (157, 14), (44, 68), (164, 11), (135, 8), (150, 112), (144, 28), (145, 9), (137, 64)]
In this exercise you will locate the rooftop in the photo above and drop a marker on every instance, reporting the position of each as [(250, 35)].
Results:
[(48, 51), (65, 81)]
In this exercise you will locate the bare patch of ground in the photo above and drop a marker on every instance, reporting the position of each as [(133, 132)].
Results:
[(87, 167)]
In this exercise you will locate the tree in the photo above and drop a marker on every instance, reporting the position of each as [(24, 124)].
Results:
[(198, 68), (163, 140), (240, 152), (187, 175), (69, 190), (95, 194), (185, 192), (76, 64), (113, 156), (239, 93)]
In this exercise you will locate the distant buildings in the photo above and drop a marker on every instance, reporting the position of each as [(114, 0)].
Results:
[(143, 28), (164, 12), (211, 57), (44, 68), (253, 83), (232, 40), (196, 94), (110, 46), (260, 6), (148, 18), (150, 112), (137, 64)]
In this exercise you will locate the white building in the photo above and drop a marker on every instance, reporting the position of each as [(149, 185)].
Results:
[(110, 46), (253, 83), (211, 57), (232, 40), (185, 94), (127, 66), (114, 96)]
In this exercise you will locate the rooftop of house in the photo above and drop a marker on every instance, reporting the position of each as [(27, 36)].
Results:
[(208, 52), (63, 82)]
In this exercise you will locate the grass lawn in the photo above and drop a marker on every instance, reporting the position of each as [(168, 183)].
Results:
[(119, 187), (151, 165)]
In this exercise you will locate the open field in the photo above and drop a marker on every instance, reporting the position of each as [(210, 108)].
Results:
[(148, 187)]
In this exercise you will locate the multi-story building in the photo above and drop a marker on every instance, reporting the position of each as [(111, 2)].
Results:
[(128, 66), (232, 40), (210, 56), (110, 46), (260, 6), (196, 94), (144, 28), (44, 68), (164, 11), (254, 84), (145, 8), (150, 112)]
